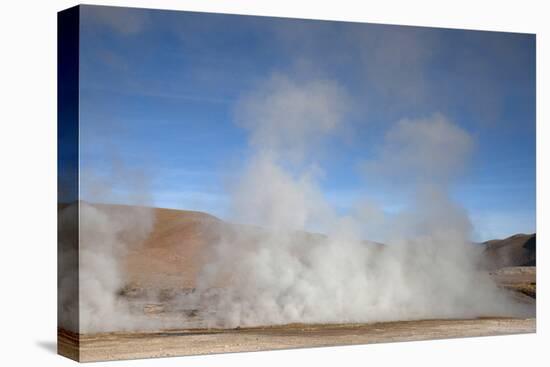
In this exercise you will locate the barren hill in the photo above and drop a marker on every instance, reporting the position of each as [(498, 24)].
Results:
[(171, 256), (516, 250)]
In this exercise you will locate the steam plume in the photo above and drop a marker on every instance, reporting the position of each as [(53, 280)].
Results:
[(279, 271), (107, 234), (280, 274)]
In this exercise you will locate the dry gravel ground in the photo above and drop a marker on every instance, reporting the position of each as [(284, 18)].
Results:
[(113, 346)]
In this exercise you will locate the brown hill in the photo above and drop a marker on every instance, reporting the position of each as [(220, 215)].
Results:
[(516, 250), (171, 255)]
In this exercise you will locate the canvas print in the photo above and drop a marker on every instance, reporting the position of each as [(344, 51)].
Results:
[(235, 183)]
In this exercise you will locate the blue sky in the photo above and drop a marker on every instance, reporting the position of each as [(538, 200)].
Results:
[(159, 91)]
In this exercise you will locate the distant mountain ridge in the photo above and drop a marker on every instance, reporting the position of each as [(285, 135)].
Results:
[(516, 250), (174, 252)]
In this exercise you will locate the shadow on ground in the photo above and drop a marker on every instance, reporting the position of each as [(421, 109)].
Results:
[(50, 346)]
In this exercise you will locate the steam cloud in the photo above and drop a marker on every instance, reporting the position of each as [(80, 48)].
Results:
[(280, 272), (97, 251), (106, 237), (428, 267)]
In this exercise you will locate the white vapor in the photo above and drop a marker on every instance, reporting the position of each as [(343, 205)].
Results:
[(428, 268), (108, 233), (288, 118), (429, 150), (274, 268)]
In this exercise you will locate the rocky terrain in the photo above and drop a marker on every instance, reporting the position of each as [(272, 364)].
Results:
[(516, 250), (512, 263)]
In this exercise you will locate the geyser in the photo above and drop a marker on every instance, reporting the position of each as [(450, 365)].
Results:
[(428, 267)]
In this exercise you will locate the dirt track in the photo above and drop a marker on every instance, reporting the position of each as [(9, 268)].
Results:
[(109, 346)]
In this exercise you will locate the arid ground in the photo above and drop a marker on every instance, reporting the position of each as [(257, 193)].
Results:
[(112, 346)]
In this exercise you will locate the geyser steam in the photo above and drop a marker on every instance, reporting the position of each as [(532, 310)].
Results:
[(428, 267), (107, 234), (274, 269)]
